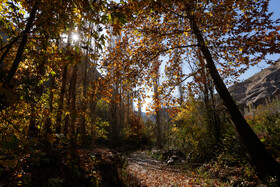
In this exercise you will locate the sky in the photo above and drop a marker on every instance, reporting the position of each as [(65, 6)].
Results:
[(274, 6)]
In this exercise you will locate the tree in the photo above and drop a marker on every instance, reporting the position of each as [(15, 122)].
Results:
[(231, 35), (157, 106), (36, 62)]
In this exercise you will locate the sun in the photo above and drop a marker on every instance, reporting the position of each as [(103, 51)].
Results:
[(75, 37)]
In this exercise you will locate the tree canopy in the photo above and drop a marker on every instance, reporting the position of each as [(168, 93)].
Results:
[(50, 84)]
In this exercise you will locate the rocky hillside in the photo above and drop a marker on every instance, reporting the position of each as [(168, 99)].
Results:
[(262, 85)]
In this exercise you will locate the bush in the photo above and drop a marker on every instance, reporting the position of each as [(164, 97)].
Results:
[(266, 124), (190, 132)]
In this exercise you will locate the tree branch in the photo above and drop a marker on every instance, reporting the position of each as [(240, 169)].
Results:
[(11, 43), (22, 45), (179, 82), (15, 127)]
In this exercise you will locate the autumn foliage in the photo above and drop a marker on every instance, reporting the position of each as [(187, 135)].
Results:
[(71, 71)]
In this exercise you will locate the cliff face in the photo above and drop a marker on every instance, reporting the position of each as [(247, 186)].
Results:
[(262, 85)]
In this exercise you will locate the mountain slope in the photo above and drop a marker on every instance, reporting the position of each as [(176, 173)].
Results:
[(262, 85)]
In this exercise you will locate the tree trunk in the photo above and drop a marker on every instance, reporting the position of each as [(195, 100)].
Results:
[(208, 97), (114, 134), (83, 120), (49, 121), (122, 110), (38, 89), (72, 90), (22, 45), (32, 129), (139, 108), (93, 116), (6, 80), (127, 108), (67, 115), (158, 112), (264, 164), (61, 99), (158, 129)]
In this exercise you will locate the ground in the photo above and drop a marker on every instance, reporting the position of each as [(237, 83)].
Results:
[(142, 170)]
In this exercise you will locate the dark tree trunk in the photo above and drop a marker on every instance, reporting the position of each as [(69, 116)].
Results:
[(6, 80), (73, 86), (83, 120), (49, 121), (22, 45), (122, 110), (61, 99), (114, 125), (63, 92), (67, 115), (32, 129), (158, 129), (264, 164)]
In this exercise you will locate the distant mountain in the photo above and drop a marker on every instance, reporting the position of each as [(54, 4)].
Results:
[(262, 85)]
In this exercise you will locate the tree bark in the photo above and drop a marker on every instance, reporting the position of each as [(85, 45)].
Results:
[(49, 121), (7, 80), (158, 112), (67, 115), (32, 129), (61, 99), (73, 85), (264, 164), (208, 97), (22, 45), (83, 121), (9, 46), (114, 134), (139, 108)]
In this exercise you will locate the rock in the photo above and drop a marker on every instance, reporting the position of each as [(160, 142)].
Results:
[(172, 160), (259, 87), (173, 156)]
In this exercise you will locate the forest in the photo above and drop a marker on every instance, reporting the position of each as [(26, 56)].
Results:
[(135, 93)]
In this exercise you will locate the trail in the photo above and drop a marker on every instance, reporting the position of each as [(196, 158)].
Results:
[(150, 172)]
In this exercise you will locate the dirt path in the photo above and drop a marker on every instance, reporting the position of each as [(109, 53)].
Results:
[(150, 172)]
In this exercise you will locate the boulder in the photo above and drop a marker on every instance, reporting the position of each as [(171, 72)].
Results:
[(173, 156)]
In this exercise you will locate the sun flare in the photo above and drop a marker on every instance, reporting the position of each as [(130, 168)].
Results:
[(75, 37)]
